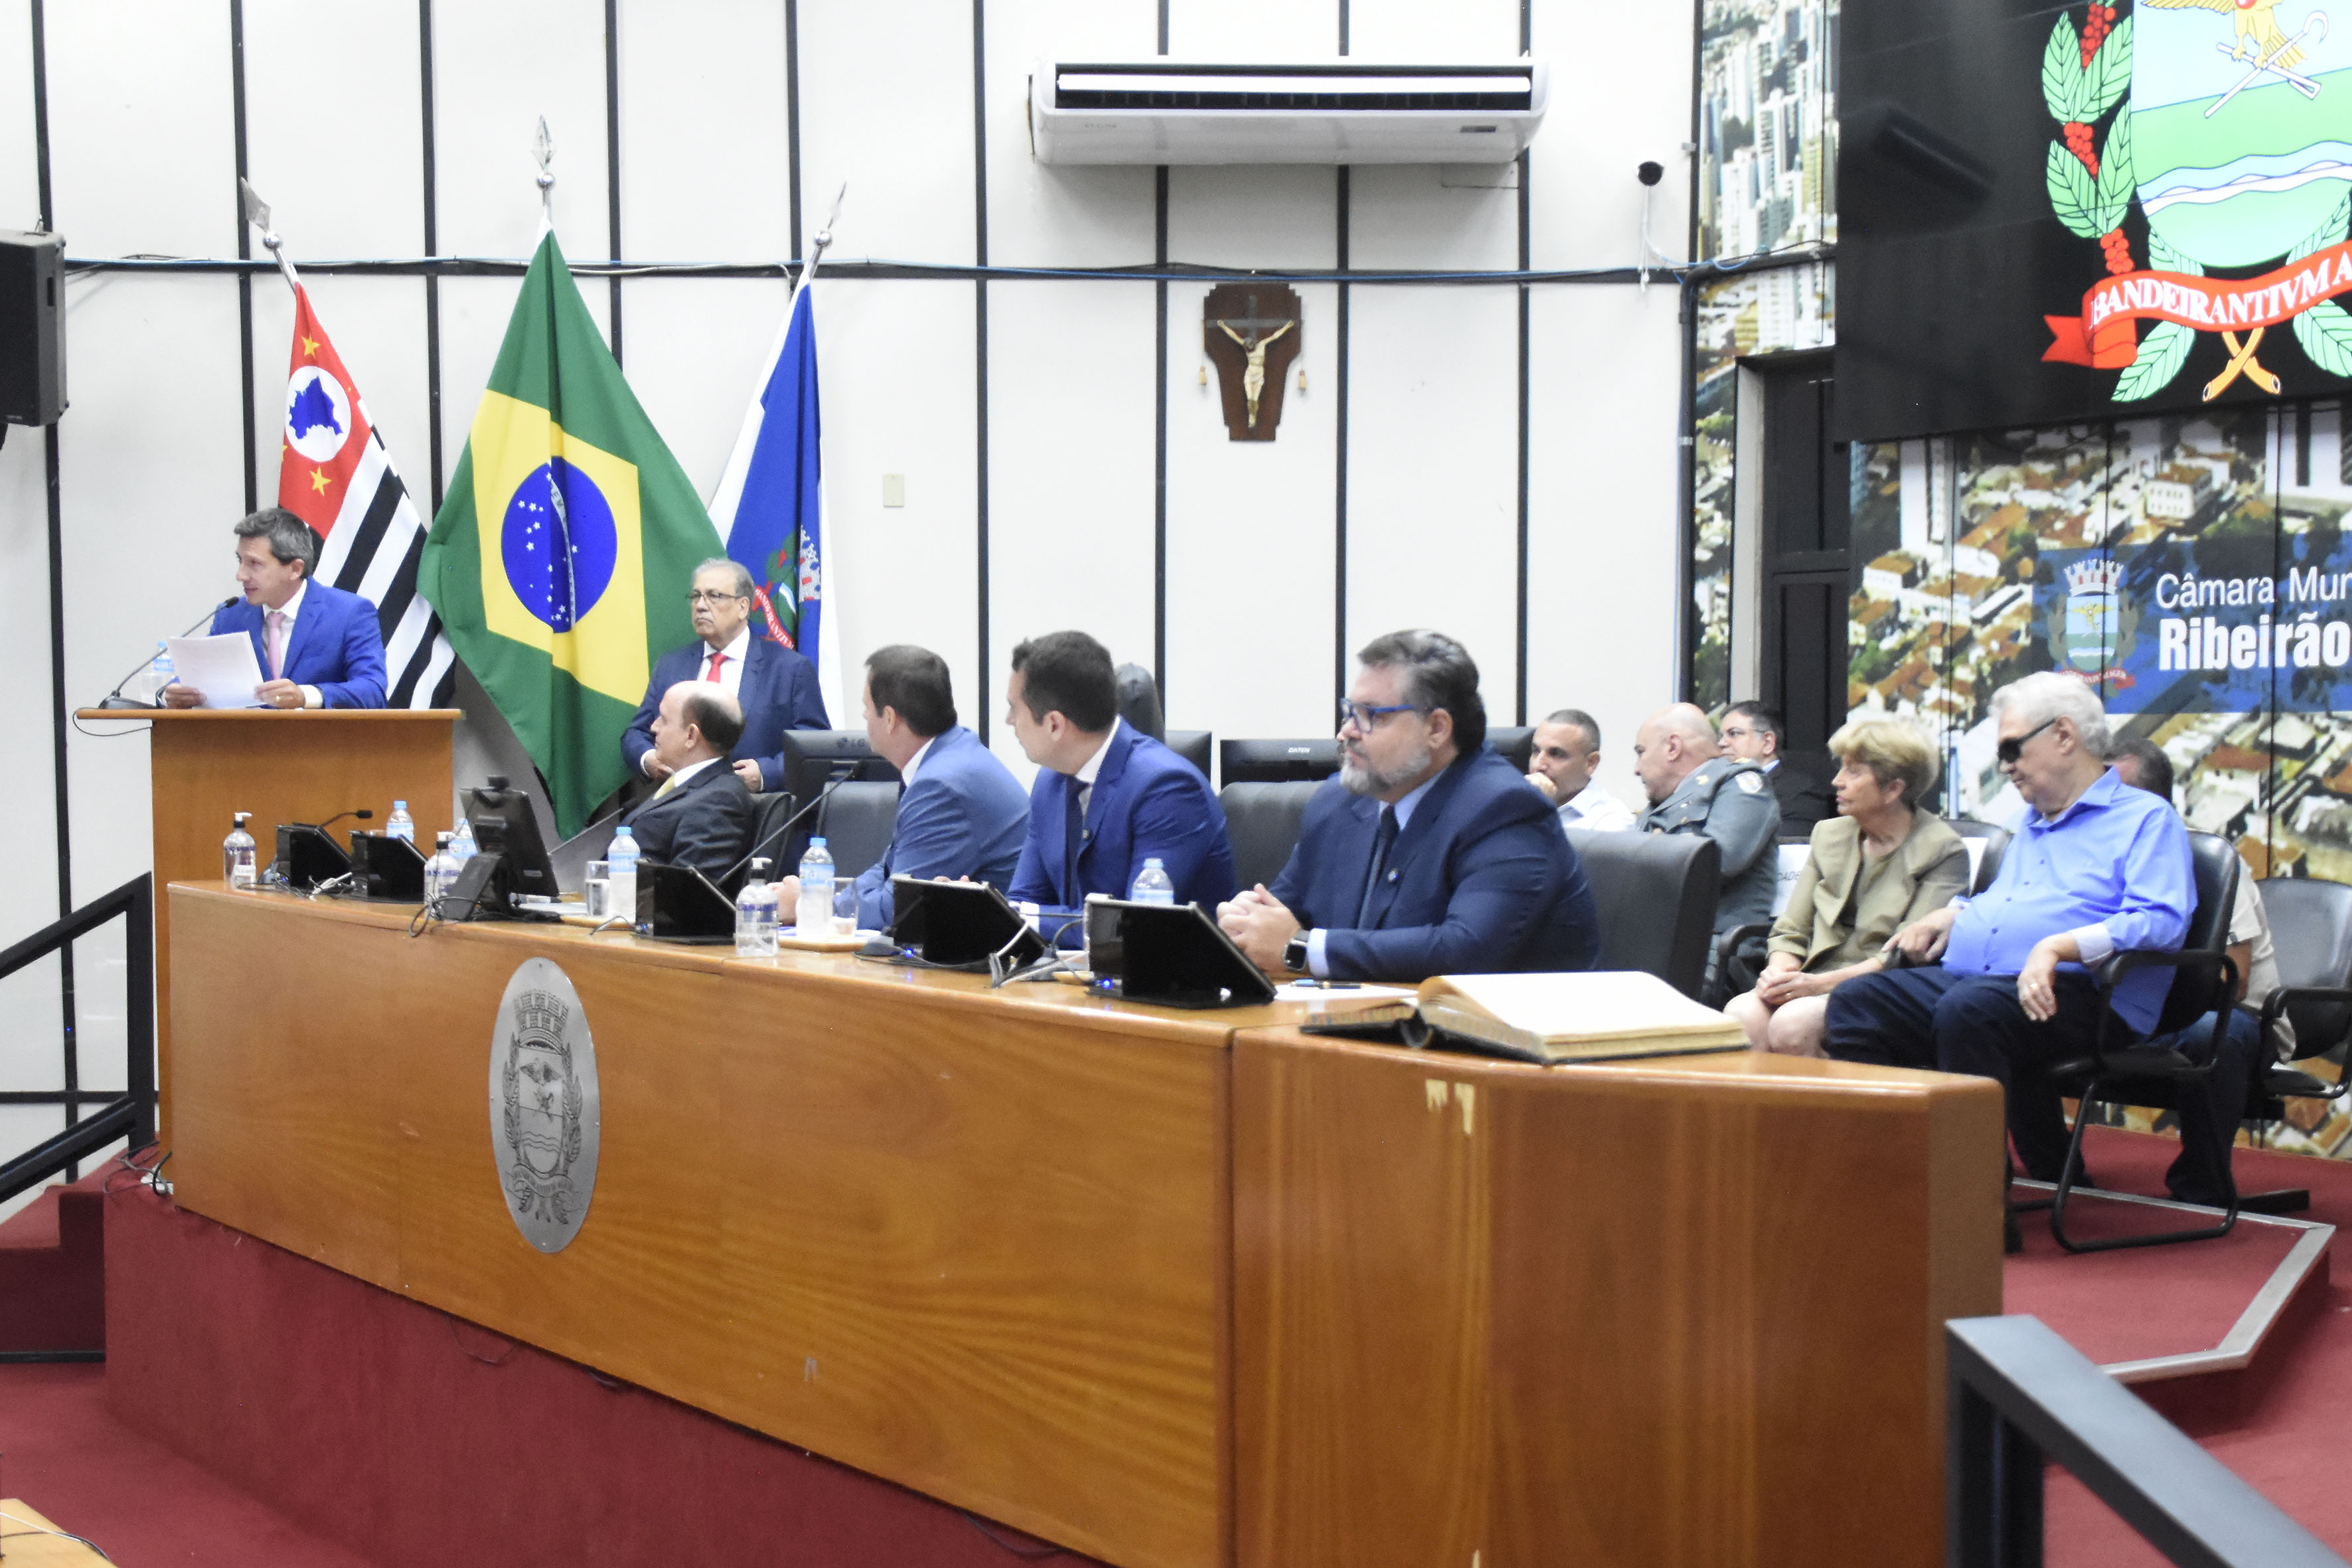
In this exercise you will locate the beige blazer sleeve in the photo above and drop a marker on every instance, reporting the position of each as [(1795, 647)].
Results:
[(1792, 928)]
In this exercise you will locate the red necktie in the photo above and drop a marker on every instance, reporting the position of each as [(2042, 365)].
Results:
[(716, 661)]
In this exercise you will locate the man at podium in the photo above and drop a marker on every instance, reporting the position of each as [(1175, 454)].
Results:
[(319, 647)]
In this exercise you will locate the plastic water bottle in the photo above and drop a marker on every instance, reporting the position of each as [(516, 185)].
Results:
[(236, 853), (815, 917), (400, 825), (755, 914), (163, 671), (1153, 885), (461, 843), (440, 872), (621, 862)]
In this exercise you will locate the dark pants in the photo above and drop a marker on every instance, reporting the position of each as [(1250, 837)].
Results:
[(2211, 1111), (1934, 1017)]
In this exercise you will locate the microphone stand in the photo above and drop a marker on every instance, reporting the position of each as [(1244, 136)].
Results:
[(790, 823), (115, 699)]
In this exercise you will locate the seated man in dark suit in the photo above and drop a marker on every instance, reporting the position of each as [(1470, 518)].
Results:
[(1428, 854), (775, 685), (317, 645), (1754, 733), (961, 814), (702, 815), (1108, 797)]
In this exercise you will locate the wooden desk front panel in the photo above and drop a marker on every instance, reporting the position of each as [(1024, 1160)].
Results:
[(1659, 1314), (971, 1244)]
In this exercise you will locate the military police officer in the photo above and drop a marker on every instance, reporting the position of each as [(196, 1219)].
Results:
[(1693, 788)]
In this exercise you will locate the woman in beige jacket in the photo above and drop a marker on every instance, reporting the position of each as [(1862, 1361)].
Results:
[(1875, 867)]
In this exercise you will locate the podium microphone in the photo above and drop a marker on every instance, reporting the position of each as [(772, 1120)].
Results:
[(364, 815), (115, 699), (790, 823)]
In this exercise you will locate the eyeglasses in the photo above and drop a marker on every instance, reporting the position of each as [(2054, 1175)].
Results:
[(1365, 719), (699, 597), (2010, 750)]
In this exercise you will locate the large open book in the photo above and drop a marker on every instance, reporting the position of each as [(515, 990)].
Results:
[(1598, 1017)]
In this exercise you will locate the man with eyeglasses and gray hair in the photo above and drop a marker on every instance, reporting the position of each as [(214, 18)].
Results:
[(1999, 984), (1428, 854), (775, 685)]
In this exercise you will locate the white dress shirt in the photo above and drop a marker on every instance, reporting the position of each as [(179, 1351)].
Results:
[(906, 773), (1093, 766), (1595, 810)]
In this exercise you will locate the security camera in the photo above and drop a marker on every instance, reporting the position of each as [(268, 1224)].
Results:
[(1649, 173)]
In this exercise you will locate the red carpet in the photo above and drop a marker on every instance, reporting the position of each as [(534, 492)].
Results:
[(399, 1432), (2281, 1423), (53, 1271)]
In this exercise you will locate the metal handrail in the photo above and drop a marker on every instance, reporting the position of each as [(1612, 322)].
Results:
[(130, 1114), (2019, 1394)]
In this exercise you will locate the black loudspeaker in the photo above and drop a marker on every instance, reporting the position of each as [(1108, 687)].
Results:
[(32, 328)]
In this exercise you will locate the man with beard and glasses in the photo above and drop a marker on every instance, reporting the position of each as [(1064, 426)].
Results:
[(1428, 854)]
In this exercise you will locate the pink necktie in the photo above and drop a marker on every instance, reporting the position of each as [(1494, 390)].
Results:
[(275, 638)]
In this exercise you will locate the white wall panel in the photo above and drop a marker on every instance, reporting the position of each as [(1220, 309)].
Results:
[(20, 200), (1400, 215), (1250, 544), (142, 148), (1071, 449), (1585, 204), (1605, 544), (377, 325), (1271, 215), (900, 389), (696, 346), (334, 126), (474, 316), (1046, 217), (497, 69), (151, 479), (1432, 462), (1420, 33), (704, 134), (886, 104), (1253, 30)]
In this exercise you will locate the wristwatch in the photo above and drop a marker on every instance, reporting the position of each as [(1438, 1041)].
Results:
[(1294, 953)]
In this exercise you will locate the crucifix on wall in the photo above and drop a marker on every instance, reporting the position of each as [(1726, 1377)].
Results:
[(1250, 332)]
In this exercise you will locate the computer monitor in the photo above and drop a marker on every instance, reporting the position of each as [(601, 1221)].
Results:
[(1515, 742), (1277, 761), (511, 859), (815, 758)]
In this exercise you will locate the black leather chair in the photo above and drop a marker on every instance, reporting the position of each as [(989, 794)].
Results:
[(2311, 929), (1516, 742), (2207, 982), (1996, 843), (1262, 824), (1655, 896), (1138, 700), (770, 812), (856, 819), (1195, 746)]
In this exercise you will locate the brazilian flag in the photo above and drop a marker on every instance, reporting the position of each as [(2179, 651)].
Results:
[(561, 557)]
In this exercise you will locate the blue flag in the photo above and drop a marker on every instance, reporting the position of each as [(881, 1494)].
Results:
[(770, 506)]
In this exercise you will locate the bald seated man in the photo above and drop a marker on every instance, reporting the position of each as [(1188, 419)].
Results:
[(702, 815), (1694, 788)]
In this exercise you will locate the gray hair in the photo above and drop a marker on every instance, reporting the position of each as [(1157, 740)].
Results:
[(2049, 695), (741, 585), (290, 538)]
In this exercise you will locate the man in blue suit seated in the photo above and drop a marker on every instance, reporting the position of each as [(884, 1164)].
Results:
[(318, 646), (961, 814), (1108, 797), (702, 815), (1428, 854), (775, 685)]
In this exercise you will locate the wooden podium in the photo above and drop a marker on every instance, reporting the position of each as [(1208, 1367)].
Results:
[(207, 765)]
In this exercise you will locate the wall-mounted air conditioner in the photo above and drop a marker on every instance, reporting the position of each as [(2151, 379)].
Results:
[(1335, 111)]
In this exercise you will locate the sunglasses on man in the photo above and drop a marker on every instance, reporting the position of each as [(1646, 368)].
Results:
[(2010, 750)]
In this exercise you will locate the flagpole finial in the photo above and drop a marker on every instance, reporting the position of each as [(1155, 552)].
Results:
[(256, 212), (542, 149)]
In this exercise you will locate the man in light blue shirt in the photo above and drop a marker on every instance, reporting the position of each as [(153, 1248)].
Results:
[(2099, 868)]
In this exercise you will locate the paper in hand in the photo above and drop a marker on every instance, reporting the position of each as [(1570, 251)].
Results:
[(223, 667)]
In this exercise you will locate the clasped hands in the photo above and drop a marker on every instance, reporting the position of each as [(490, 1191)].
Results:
[(1924, 940), (1260, 927)]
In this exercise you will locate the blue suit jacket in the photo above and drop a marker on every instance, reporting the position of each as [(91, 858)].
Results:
[(964, 816), (336, 646), (1147, 802), (777, 693), (1481, 881)]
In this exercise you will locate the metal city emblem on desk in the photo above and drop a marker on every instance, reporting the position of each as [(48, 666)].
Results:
[(544, 1107), (1251, 332)]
